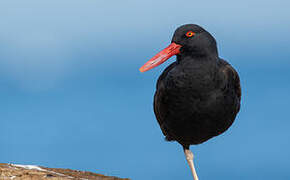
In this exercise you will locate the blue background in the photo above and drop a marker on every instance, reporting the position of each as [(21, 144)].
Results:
[(72, 96)]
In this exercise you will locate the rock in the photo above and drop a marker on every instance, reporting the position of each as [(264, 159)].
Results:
[(31, 172)]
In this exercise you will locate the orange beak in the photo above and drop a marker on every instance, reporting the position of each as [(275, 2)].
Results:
[(161, 57)]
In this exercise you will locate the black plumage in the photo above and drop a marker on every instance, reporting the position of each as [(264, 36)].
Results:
[(198, 96)]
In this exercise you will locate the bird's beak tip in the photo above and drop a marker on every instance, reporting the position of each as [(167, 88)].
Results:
[(141, 70)]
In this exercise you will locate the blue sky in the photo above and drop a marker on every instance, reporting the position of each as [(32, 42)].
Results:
[(72, 97)]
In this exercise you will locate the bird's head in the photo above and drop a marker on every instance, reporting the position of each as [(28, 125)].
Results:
[(188, 40)]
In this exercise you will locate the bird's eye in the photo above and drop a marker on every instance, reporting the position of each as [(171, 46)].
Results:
[(190, 34)]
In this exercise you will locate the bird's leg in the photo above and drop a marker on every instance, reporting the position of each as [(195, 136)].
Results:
[(189, 158)]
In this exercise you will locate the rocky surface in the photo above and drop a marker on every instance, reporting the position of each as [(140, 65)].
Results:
[(31, 172)]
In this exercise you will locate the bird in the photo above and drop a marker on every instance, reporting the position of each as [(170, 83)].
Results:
[(198, 96)]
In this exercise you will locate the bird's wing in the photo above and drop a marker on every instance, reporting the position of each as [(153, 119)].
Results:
[(159, 105), (231, 76)]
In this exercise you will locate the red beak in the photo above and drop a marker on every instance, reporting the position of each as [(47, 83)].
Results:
[(161, 57)]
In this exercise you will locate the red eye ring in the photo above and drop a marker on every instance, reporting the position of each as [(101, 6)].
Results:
[(190, 34)]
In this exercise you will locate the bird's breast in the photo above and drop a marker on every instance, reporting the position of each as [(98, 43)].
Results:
[(195, 78), (194, 88)]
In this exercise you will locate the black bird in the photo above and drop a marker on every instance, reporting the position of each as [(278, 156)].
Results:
[(198, 96)]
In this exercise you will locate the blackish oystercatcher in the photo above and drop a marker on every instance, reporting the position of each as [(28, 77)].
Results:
[(198, 96)]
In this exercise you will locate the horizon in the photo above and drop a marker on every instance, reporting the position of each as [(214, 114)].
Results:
[(73, 97)]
